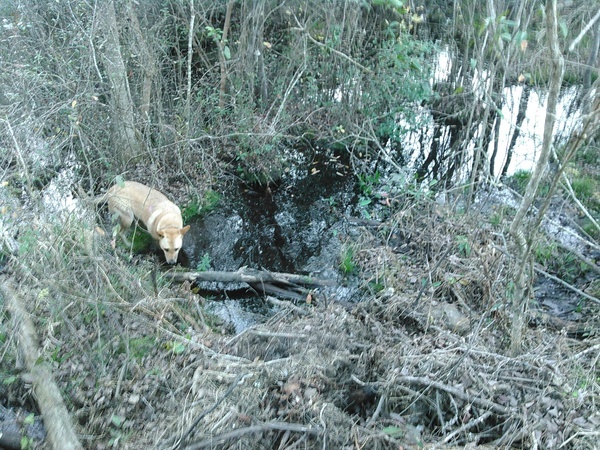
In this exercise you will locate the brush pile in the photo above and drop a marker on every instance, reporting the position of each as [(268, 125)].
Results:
[(421, 362)]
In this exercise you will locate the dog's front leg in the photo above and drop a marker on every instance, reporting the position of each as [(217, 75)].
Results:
[(125, 219)]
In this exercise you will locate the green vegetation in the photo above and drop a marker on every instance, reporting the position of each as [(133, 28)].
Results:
[(407, 99), (501, 215), (140, 347), (464, 246), (518, 181), (558, 261), (376, 287), (545, 252), (118, 430), (204, 263), (141, 240), (347, 260), (200, 206), (175, 347), (585, 188)]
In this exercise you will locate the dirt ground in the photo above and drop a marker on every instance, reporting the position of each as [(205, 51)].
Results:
[(421, 362)]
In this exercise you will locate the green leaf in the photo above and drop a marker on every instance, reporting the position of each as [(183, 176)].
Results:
[(415, 65), (226, 52), (395, 432), (563, 28), (521, 36), (178, 348), (9, 380), (117, 421), (119, 181), (29, 419), (392, 3)]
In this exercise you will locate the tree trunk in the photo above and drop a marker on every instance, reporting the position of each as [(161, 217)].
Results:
[(222, 59), (124, 133), (148, 63), (251, 51), (523, 101), (496, 134), (520, 230), (591, 62)]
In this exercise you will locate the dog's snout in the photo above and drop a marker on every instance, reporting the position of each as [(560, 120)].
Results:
[(171, 259)]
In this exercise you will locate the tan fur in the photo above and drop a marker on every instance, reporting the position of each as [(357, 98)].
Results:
[(162, 218)]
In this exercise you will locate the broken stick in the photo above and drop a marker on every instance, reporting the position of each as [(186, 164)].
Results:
[(286, 285)]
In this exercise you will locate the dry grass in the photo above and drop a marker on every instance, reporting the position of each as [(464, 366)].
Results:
[(142, 366)]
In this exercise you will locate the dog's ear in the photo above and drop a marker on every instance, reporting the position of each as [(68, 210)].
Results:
[(184, 230), (161, 233)]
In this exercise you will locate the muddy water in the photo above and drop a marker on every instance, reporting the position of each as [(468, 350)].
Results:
[(296, 225), (282, 227)]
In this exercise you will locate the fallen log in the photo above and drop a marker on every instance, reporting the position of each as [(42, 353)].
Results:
[(287, 285), (60, 430)]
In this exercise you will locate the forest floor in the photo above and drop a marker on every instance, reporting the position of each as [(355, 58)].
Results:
[(422, 361)]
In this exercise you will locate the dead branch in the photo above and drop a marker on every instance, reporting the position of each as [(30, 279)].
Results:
[(239, 379), (236, 434), (285, 304), (250, 276), (287, 285), (424, 381), (61, 432), (567, 285)]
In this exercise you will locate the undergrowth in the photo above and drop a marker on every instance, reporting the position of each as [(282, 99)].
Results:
[(135, 355)]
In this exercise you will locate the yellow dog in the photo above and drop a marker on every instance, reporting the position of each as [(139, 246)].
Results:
[(131, 200)]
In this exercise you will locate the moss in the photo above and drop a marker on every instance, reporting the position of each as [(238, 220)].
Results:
[(199, 207)]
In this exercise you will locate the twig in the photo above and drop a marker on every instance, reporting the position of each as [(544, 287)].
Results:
[(552, 277), (431, 272), (222, 61), (467, 425), (324, 425), (290, 293), (229, 391), (567, 285), (585, 29), (378, 410), (594, 348), (286, 304), (278, 335), (190, 50), (424, 381), (19, 155), (236, 434), (580, 433), (337, 52), (575, 199)]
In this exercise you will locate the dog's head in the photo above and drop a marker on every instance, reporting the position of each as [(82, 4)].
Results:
[(170, 242)]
